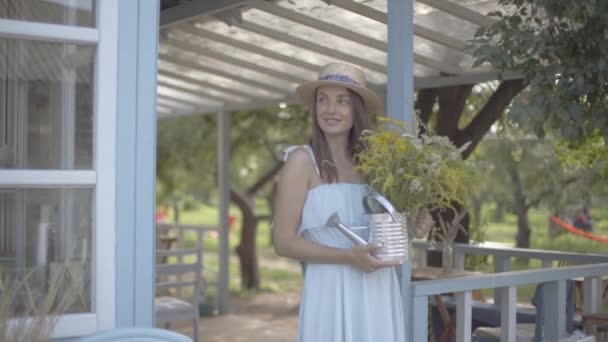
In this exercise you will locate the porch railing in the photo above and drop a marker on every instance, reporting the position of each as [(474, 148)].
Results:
[(504, 283)]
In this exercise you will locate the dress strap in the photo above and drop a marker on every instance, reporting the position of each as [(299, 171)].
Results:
[(290, 149)]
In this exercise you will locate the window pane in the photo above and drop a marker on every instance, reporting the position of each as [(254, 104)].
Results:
[(46, 105), (45, 245), (65, 12)]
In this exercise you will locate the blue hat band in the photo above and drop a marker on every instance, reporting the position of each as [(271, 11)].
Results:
[(339, 78)]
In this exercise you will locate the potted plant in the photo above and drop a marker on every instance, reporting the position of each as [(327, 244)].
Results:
[(208, 300)]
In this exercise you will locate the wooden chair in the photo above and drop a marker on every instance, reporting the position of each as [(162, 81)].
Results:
[(182, 276), (596, 325)]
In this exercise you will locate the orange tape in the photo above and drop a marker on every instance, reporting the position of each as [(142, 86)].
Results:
[(574, 230)]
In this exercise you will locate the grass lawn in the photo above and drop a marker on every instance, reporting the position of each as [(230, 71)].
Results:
[(539, 220), (279, 274)]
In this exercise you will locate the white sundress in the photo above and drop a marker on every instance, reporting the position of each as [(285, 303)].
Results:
[(339, 302)]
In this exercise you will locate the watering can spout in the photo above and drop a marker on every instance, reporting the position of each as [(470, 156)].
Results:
[(334, 221)]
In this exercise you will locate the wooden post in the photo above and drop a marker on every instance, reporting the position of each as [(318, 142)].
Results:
[(554, 310), (420, 319), (501, 264), (223, 171), (463, 316), (459, 260), (400, 101), (179, 244), (508, 331), (592, 295)]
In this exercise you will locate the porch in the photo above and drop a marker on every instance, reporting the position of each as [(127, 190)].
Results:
[(273, 316)]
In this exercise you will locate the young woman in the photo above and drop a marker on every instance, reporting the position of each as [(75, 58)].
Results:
[(348, 295)]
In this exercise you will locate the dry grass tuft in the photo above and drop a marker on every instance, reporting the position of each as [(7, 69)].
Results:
[(32, 301)]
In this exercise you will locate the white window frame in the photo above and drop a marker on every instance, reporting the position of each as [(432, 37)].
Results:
[(103, 175)]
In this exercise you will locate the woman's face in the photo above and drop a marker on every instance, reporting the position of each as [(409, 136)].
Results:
[(334, 110)]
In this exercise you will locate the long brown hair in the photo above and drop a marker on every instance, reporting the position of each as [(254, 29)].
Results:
[(318, 142)]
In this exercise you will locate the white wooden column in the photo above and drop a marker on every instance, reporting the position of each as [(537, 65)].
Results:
[(400, 96), (554, 310), (223, 171), (400, 83), (501, 264), (508, 331), (464, 301), (420, 318)]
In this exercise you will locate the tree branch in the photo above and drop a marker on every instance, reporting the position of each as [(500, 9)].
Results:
[(549, 191), (265, 178), (488, 115)]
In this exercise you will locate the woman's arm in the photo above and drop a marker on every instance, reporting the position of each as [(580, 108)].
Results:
[(289, 203)]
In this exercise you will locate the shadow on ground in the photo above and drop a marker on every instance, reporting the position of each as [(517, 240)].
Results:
[(268, 317)]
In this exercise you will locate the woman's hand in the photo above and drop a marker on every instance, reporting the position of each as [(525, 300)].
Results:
[(362, 259)]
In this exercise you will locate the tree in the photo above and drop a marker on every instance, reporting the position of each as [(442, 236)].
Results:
[(187, 164), (257, 141), (539, 39), (591, 154), (561, 49), (531, 173), (185, 155)]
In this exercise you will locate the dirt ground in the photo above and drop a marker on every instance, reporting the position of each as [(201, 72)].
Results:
[(267, 317)]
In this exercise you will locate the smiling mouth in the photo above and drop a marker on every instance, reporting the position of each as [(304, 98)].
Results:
[(332, 121)]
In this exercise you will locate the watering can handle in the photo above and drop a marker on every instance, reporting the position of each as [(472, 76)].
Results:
[(334, 221), (383, 202)]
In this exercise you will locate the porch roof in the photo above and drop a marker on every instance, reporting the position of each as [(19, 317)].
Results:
[(231, 55)]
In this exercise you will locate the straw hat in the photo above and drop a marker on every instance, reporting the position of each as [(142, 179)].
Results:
[(344, 75)]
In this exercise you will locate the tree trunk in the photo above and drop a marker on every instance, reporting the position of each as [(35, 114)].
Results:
[(476, 207), (523, 228), (520, 206), (176, 211), (270, 201), (246, 250), (499, 213)]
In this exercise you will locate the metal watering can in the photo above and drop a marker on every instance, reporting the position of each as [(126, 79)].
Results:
[(386, 227)]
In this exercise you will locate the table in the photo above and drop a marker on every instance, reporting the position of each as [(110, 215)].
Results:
[(432, 273), (596, 325)]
